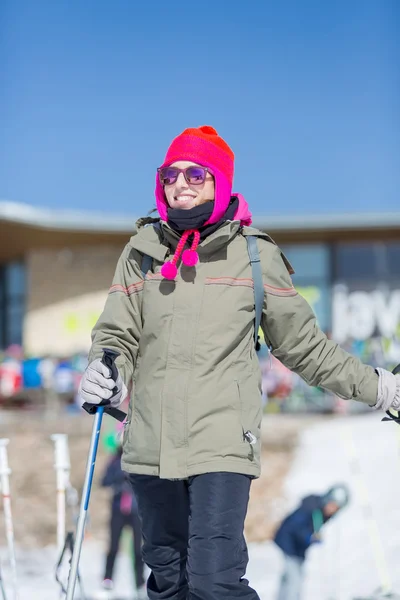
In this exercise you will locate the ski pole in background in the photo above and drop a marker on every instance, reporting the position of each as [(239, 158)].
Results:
[(371, 523), (376, 540), (62, 466), (2, 590), (67, 497), (98, 410), (5, 471)]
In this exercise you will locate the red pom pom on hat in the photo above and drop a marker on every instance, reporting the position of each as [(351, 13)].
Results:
[(208, 129)]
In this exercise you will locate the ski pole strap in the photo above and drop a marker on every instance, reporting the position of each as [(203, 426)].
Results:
[(258, 284), (115, 413), (395, 415)]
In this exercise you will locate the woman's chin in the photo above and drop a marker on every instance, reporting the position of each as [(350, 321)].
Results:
[(184, 204)]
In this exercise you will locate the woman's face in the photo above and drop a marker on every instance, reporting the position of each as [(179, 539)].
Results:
[(183, 195)]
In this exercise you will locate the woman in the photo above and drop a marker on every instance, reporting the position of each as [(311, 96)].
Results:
[(185, 338)]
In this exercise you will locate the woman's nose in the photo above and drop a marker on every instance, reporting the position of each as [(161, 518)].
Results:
[(181, 182)]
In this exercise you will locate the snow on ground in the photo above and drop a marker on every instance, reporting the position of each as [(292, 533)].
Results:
[(361, 548)]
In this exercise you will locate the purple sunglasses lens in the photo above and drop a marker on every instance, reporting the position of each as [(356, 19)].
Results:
[(195, 175), (168, 175)]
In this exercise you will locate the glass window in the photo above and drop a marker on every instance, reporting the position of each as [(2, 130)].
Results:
[(308, 260), (1, 287), (356, 261), (14, 322), (2, 308), (393, 259), (12, 303), (311, 263), (15, 279), (367, 261)]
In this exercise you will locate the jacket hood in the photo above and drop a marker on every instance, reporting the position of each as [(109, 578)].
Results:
[(312, 502)]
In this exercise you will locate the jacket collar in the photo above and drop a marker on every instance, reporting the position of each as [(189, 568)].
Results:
[(160, 243), (211, 243)]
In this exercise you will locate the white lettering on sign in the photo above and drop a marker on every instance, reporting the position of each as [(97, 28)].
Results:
[(360, 315)]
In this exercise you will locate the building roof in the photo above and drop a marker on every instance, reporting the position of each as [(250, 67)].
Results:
[(24, 227), (66, 220)]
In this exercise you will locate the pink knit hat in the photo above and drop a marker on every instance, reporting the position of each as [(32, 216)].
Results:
[(204, 146)]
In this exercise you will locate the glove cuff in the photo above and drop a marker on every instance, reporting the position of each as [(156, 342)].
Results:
[(388, 391)]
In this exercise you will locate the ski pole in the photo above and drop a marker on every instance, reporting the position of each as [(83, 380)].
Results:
[(371, 523), (68, 545), (62, 466), (98, 410), (2, 590), (5, 471)]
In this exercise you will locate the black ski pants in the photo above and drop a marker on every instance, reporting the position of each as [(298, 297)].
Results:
[(118, 521), (193, 538)]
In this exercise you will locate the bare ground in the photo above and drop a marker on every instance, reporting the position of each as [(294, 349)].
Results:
[(33, 479)]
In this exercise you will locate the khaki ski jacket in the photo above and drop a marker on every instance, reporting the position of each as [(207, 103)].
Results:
[(188, 347)]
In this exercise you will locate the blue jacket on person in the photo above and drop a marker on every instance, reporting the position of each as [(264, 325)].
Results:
[(294, 536)]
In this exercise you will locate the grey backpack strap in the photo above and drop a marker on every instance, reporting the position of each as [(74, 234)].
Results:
[(147, 261), (258, 283)]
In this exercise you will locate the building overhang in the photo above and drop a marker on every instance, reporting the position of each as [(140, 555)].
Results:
[(23, 228)]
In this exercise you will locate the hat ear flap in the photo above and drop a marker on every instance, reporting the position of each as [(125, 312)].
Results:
[(161, 201), (222, 194)]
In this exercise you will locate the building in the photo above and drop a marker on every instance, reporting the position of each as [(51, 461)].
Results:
[(56, 268)]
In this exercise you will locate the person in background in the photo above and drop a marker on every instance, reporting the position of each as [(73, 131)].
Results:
[(124, 513), (302, 528)]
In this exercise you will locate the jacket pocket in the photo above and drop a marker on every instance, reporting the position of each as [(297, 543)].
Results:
[(250, 412)]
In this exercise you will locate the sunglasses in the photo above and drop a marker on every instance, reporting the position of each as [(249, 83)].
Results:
[(194, 175)]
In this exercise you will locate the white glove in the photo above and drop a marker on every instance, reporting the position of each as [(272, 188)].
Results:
[(388, 390), (96, 385)]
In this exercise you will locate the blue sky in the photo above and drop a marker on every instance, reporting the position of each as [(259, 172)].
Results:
[(306, 92)]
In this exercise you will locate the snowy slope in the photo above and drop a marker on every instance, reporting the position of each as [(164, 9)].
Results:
[(361, 549)]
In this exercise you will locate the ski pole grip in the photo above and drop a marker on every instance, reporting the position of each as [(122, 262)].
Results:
[(391, 416), (108, 359)]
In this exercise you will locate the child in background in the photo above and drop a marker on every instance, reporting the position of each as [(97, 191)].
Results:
[(302, 528)]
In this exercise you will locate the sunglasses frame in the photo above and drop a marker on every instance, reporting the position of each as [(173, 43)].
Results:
[(179, 171)]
